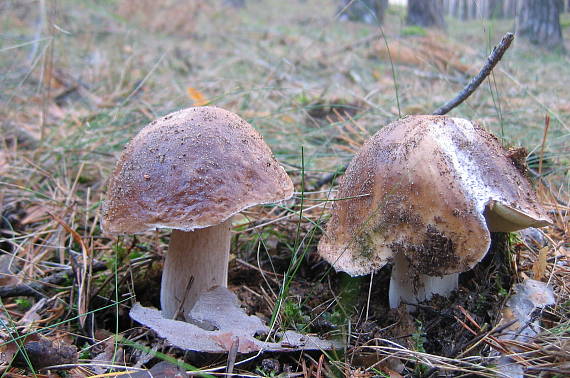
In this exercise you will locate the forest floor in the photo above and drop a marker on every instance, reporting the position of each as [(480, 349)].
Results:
[(73, 94)]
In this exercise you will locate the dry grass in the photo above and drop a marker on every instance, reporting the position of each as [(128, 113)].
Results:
[(80, 78)]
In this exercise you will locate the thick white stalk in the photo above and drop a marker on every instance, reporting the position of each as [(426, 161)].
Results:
[(202, 254), (406, 287)]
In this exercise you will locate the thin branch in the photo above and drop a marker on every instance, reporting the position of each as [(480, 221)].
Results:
[(232, 357), (474, 83), (492, 60), (34, 289)]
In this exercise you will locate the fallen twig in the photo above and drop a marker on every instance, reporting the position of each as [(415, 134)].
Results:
[(474, 83), (34, 289), (232, 357), (180, 311), (492, 60)]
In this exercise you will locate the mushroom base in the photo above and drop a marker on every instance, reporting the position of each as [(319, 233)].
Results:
[(411, 289), (202, 254)]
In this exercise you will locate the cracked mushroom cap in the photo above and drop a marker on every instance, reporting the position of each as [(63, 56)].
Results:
[(431, 188), (192, 169)]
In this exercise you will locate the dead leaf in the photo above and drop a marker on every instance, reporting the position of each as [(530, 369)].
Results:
[(530, 295), (519, 310), (197, 97), (539, 267)]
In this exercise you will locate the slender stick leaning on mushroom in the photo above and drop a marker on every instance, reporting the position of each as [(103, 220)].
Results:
[(191, 171), (424, 194)]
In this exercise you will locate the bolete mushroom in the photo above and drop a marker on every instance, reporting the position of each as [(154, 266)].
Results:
[(191, 171), (424, 193)]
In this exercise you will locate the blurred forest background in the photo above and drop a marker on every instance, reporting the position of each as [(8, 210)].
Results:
[(78, 79)]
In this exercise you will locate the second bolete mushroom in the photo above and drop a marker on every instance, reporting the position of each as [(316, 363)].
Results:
[(424, 193), (191, 171)]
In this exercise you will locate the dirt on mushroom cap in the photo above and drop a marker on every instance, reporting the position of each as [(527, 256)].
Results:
[(192, 169), (421, 185)]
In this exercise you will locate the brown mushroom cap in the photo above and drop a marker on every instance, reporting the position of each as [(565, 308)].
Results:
[(431, 188), (192, 169)]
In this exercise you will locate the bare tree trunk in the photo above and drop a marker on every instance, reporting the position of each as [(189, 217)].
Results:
[(495, 9), (539, 22), (425, 13), (235, 3), (446, 7), (464, 10), (491, 8), (482, 8), (510, 8), (472, 9), (368, 11), (454, 6)]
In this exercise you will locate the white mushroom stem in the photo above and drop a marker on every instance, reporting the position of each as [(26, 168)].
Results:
[(412, 289), (202, 254)]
